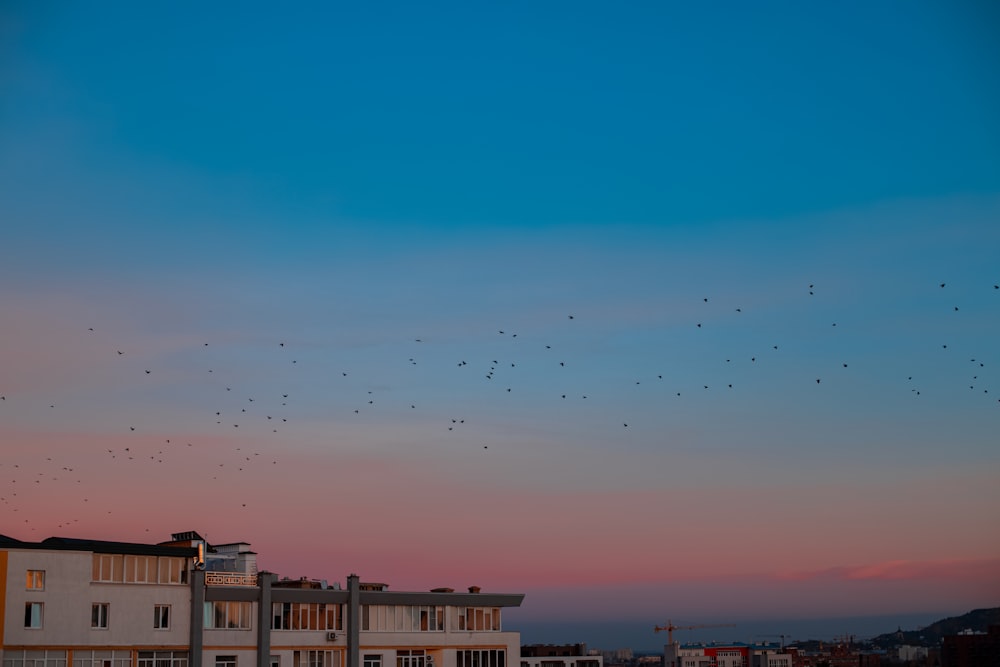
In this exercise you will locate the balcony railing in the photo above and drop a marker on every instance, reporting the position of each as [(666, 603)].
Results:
[(230, 579)]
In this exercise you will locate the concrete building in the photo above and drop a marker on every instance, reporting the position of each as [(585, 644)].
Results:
[(970, 649), (725, 655), (183, 603), (559, 655)]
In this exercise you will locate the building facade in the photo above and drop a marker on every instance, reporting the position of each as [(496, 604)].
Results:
[(725, 655), (559, 655), (183, 603), (972, 649)]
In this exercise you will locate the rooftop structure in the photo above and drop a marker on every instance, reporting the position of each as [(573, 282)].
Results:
[(185, 603)]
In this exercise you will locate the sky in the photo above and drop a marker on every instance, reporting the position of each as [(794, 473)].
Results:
[(648, 311)]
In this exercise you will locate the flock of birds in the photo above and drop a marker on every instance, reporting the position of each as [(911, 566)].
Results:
[(244, 421)]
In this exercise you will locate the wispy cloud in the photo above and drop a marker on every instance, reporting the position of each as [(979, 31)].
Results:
[(984, 570)]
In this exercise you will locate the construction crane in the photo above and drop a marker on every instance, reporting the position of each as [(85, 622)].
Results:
[(670, 627)]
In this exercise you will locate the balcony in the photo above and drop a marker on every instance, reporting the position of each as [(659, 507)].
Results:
[(230, 579)]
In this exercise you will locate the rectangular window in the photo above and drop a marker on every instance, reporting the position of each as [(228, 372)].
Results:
[(483, 658), (35, 658), (372, 660), (479, 618), (306, 616), (316, 659), (172, 570), (33, 615), (225, 661), (105, 658), (161, 617), (139, 569), (35, 580), (108, 567), (227, 615), (411, 658), (99, 615), (402, 618), (162, 659)]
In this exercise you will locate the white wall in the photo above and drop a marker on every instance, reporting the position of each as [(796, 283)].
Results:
[(69, 594)]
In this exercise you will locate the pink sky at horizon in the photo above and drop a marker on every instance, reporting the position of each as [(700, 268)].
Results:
[(547, 509)]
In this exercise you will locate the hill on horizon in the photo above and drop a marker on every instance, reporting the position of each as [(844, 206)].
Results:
[(977, 620)]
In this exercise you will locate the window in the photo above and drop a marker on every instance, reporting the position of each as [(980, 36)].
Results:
[(139, 569), (316, 659), (479, 618), (225, 661), (162, 659), (34, 658), (305, 616), (481, 658), (99, 615), (401, 618), (35, 580), (411, 658), (227, 615), (33, 615), (161, 617), (172, 570), (108, 567), (372, 660), (105, 658)]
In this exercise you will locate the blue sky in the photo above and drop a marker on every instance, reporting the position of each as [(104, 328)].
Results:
[(281, 196)]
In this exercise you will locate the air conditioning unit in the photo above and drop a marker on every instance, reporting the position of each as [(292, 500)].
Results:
[(331, 636)]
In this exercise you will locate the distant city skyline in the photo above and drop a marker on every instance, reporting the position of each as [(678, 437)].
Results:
[(647, 312), (611, 635)]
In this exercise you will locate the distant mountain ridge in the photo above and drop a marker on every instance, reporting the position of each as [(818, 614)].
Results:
[(977, 620)]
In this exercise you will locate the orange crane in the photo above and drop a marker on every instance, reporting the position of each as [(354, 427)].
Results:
[(670, 627)]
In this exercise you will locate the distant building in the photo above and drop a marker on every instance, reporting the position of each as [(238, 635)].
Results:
[(725, 655), (972, 650), (907, 653), (842, 653), (559, 655), (185, 603)]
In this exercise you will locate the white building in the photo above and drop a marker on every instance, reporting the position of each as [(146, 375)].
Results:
[(725, 655), (86, 603), (559, 655)]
